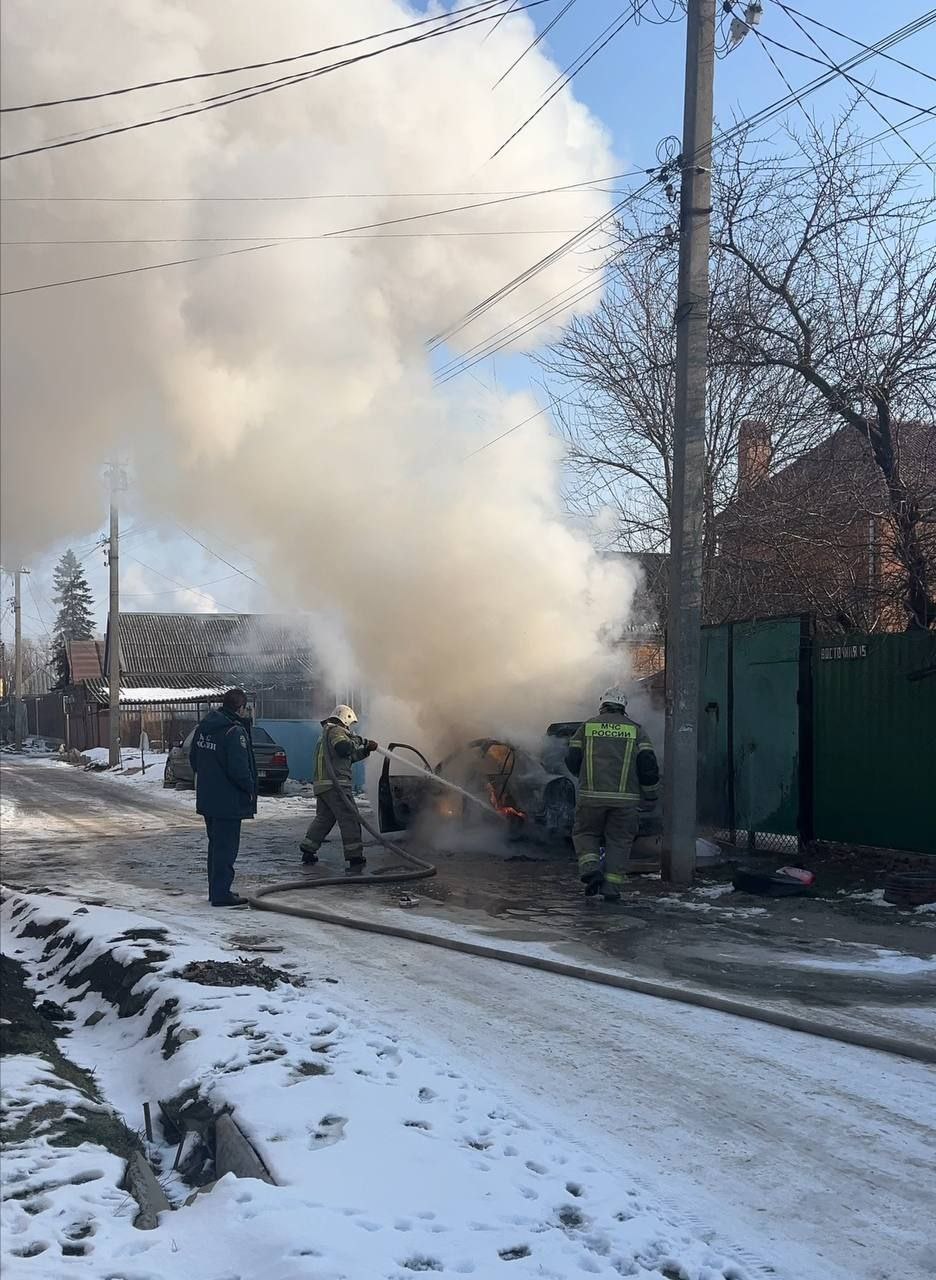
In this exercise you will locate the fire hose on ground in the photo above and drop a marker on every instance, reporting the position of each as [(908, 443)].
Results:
[(415, 868)]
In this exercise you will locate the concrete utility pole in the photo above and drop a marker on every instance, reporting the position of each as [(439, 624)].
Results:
[(113, 621), (18, 657), (685, 584), (18, 705)]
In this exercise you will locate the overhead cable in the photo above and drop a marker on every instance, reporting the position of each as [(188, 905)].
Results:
[(255, 66), (252, 91), (635, 9), (755, 120), (908, 66), (540, 36)]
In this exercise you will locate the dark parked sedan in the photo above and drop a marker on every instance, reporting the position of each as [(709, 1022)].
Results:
[(270, 758)]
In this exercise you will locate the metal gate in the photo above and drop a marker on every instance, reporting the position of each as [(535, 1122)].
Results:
[(755, 766), (875, 743)]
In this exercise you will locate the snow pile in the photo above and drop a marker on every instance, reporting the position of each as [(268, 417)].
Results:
[(389, 1160)]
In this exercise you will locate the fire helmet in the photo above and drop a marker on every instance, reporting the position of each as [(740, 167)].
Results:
[(344, 714), (616, 696)]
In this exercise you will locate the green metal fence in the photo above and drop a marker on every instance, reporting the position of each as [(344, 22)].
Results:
[(807, 737), (875, 740), (753, 721)]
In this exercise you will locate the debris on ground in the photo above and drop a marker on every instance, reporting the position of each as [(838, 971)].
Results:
[(910, 888), (243, 972), (787, 882), (252, 942)]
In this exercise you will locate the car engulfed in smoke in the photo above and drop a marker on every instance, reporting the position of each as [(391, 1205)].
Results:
[(533, 794), (510, 784)]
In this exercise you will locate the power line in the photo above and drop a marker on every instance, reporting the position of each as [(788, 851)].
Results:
[(861, 88), (140, 595), (570, 295), (256, 90), (325, 235), (346, 232), (573, 188), (577, 188), (217, 555), (533, 43), (755, 120), (40, 619), (182, 586), (635, 9), (859, 85), (130, 271), (826, 61), (490, 348), (506, 14), (908, 66), (253, 66)]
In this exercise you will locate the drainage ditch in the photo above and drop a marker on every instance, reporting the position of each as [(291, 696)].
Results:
[(207, 1142)]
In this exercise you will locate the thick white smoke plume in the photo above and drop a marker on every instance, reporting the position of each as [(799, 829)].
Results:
[(283, 398)]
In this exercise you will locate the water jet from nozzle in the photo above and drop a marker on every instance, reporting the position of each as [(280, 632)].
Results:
[(443, 782)]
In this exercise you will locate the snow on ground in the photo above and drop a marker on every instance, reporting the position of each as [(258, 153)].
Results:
[(875, 896), (297, 797), (881, 960), (390, 1160)]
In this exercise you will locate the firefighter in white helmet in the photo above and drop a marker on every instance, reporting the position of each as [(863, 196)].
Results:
[(617, 769), (342, 749)]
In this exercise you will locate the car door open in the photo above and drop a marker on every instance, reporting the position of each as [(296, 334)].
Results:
[(401, 795)]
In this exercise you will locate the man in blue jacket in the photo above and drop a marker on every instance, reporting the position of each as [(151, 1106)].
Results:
[(225, 789)]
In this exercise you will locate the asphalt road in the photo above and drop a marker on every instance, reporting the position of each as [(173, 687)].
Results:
[(78, 832), (815, 1159)]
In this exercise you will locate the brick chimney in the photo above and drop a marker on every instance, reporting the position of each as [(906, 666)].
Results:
[(755, 451)]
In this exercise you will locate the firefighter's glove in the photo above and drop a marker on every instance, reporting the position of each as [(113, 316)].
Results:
[(371, 744)]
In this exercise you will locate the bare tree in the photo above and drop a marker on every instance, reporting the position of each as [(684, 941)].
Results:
[(823, 314), (837, 286), (614, 377)]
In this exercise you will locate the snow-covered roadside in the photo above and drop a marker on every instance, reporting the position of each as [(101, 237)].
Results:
[(296, 798), (391, 1161)]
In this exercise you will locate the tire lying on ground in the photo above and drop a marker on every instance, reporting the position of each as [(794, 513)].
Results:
[(910, 888)]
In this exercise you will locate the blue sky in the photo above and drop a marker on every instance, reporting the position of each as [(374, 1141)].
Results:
[(634, 86)]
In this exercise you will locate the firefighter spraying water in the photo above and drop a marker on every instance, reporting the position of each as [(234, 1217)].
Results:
[(342, 750), (333, 787)]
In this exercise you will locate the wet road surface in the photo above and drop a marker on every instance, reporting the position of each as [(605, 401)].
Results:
[(77, 833)]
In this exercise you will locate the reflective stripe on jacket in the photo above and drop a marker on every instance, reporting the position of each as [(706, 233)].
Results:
[(615, 761), (344, 750)]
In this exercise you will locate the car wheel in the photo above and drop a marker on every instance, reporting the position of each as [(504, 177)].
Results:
[(168, 776)]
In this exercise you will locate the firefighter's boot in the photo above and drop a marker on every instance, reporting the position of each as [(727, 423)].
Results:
[(593, 882), (309, 852)]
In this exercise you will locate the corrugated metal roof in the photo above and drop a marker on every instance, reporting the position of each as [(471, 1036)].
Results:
[(85, 659), (207, 648)]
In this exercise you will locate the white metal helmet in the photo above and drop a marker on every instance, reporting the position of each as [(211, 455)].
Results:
[(616, 696), (344, 714)]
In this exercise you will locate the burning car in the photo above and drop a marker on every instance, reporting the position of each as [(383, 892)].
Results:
[(507, 784), (534, 794)]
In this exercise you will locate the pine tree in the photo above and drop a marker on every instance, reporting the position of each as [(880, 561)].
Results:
[(75, 620)]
